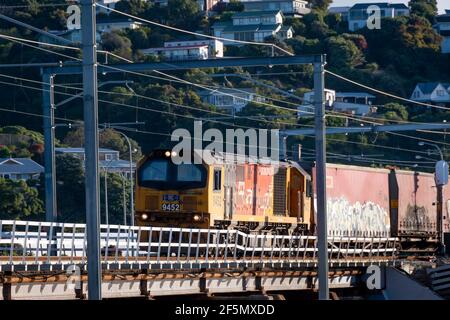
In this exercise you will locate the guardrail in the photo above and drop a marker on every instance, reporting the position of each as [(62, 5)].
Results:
[(29, 245)]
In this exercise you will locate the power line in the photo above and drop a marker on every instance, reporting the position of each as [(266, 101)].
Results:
[(385, 93)]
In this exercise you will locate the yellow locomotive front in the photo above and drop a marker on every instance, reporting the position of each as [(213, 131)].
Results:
[(170, 195)]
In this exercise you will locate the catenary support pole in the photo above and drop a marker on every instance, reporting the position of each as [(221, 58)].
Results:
[(48, 106), (90, 103), (319, 105)]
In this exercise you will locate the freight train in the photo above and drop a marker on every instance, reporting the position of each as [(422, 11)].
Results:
[(263, 198)]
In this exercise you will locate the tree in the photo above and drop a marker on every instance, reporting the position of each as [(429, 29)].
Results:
[(18, 200), (320, 4), (343, 53), (393, 111), (117, 43), (139, 37), (183, 13), (424, 8), (108, 138), (70, 189)]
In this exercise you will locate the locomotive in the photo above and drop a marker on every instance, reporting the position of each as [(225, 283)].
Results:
[(258, 197)]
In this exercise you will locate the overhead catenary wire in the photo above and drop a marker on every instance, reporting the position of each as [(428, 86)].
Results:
[(194, 33), (385, 93), (192, 83)]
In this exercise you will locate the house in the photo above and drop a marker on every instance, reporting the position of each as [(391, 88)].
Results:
[(229, 99), (73, 35), (442, 26), (341, 11), (432, 92), (357, 103), (108, 159), (188, 50), (20, 169), (253, 26), (358, 15), (108, 25), (307, 108), (296, 8)]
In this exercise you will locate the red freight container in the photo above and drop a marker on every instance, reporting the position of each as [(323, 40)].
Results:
[(446, 200), (416, 196), (357, 200)]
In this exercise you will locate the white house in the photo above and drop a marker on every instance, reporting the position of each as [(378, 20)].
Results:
[(358, 15), (188, 50), (253, 26), (432, 92), (232, 100), (108, 25), (307, 108), (357, 103), (296, 8), (442, 26), (19, 169)]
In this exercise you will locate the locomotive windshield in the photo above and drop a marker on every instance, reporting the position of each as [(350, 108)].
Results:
[(164, 174)]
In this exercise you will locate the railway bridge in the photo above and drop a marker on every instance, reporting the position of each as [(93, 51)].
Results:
[(42, 260)]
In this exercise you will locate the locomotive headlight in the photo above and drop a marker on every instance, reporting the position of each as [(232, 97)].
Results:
[(197, 217), (167, 154), (174, 154), (144, 216)]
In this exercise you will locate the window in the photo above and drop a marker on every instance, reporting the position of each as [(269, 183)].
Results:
[(188, 173), (155, 170), (217, 180), (108, 157), (309, 191)]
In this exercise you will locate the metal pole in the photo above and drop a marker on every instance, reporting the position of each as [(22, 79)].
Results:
[(319, 90), (131, 179), (90, 102), (48, 106), (106, 197), (439, 218), (124, 206)]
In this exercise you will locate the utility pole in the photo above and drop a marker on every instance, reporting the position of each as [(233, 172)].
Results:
[(322, 236), (48, 105), (90, 103)]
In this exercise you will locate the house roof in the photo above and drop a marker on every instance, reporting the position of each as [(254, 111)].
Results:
[(176, 48), (20, 165), (255, 13), (443, 18), (268, 27), (355, 95), (233, 91), (285, 28), (427, 87), (115, 164), (81, 150), (382, 5), (338, 9)]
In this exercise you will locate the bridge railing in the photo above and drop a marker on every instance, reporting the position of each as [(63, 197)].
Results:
[(38, 243)]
